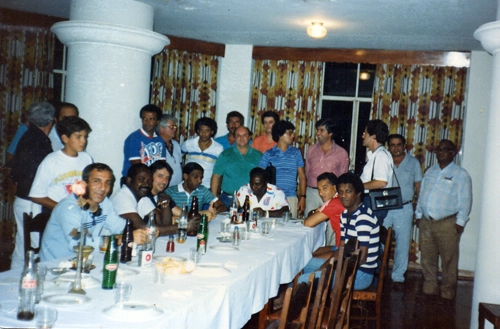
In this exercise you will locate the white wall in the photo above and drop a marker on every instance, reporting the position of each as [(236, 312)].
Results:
[(234, 84)]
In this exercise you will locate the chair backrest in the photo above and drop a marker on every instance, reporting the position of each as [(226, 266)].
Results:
[(335, 291), (383, 265), (296, 303), (34, 224), (322, 289), (350, 267)]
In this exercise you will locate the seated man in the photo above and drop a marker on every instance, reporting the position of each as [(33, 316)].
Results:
[(131, 201), (61, 233), (182, 194), (263, 196)]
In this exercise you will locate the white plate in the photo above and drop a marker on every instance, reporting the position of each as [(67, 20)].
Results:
[(132, 312), (67, 299), (88, 281), (176, 258), (224, 248)]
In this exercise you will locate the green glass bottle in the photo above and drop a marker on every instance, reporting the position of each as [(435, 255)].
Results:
[(202, 235), (110, 267)]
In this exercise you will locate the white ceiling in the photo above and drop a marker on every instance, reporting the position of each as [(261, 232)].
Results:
[(442, 25)]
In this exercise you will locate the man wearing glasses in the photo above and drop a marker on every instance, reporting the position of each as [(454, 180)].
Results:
[(443, 209), (167, 129)]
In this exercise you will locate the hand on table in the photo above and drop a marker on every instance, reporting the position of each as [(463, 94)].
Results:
[(140, 236)]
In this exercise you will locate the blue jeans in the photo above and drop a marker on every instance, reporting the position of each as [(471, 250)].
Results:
[(226, 199), (401, 221), (363, 280)]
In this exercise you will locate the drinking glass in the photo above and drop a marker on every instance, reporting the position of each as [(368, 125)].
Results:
[(41, 271), (45, 317), (122, 291), (266, 227), (194, 255)]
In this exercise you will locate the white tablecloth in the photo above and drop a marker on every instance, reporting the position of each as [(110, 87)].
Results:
[(194, 300)]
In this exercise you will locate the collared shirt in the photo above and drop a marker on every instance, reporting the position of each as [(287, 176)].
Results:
[(378, 167), (261, 144), (205, 158), (274, 199), (445, 193), (235, 167), (182, 197), (33, 147), (333, 209), (408, 173), (336, 160), (287, 164), (174, 159), (140, 146)]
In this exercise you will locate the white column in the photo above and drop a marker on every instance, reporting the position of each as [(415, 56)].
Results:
[(486, 283), (110, 45)]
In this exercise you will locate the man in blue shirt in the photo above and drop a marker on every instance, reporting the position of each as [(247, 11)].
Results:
[(234, 119), (443, 208)]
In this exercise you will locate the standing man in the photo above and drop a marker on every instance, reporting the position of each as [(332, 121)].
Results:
[(33, 147), (377, 172), (167, 128), (143, 145), (234, 119), (203, 149), (265, 141), (443, 209), (324, 156), (233, 166), (409, 176), (289, 165)]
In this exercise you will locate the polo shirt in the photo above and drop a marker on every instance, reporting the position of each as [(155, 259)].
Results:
[(287, 164), (235, 168), (205, 158), (336, 160), (261, 144), (333, 209), (182, 197)]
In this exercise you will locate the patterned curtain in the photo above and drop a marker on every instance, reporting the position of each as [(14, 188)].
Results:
[(185, 85), (293, 89), (423, 103), (26, 65)]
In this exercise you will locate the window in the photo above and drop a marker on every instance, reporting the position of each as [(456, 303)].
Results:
[(59, 70), (347, 98)]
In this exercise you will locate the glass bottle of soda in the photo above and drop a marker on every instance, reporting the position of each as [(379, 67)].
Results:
[(202, 235), (110, 264), (27, 289), (127, 243), (193, 215), (151, 228), (246, 209), (182, 225), (234, 204)]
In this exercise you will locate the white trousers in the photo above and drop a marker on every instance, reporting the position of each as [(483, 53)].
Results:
[(23, 206)]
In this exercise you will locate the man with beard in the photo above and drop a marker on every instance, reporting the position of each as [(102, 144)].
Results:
[(61, 233)]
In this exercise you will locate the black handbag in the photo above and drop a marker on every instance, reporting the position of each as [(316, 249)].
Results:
[(386, 198)]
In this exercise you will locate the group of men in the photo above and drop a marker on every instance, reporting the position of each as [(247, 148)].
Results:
[(159, 176)]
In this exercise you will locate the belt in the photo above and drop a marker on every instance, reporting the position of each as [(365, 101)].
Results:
[(315, 188), (409, 201), (451, 216)]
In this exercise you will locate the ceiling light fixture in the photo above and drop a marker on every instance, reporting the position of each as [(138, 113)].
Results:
[(364, 76), (316, 30)]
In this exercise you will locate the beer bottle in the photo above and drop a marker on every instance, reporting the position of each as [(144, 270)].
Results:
[(202, 235), (110, 264), (246, 209), (193, 214), (127, 243), (27, 289), (234, 204)]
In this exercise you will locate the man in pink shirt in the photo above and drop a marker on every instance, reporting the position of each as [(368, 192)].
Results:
[(324, 156)]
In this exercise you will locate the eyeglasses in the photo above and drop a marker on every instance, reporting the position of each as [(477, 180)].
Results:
[(173, 127), (444, 149)]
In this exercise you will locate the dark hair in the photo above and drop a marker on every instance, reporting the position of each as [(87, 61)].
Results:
[(161, 164), (70, 125), (190, 167), (135, 169), (328, 175), (379, 129), (392, 136), (206, 121), (99, 167), (235, 114), (152, 109), (329, 125), (41, 114), (258, 171), (280, 128), (66, 104), (354, 180), (270, 114)]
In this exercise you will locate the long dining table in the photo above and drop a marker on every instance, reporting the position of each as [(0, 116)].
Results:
[(227, 286)]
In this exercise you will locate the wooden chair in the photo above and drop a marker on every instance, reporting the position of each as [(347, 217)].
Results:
[(350, 267), (322, 289), (34, 224), (374, 294), (295, 307)]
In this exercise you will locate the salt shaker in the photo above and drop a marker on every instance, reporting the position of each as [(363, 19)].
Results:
[(236, 236)]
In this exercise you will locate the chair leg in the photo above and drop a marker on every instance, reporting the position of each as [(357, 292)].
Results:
[(378, 309), (263, 315)]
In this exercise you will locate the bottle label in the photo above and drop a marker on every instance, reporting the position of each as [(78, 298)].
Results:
[(29, 284), (111, 267), (200, 236)]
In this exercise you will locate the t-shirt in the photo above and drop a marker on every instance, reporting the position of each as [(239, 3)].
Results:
[(182, 197), (205, 158), (333, 208), (56, 173), (140, 146), (124, 202), (274, 199), (261, 144)]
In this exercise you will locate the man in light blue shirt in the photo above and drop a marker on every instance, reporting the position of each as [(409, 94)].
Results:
[(443, 209)]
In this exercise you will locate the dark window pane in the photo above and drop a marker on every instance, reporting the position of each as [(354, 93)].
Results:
[(366, 79), (58, 55), (341, 113), (364, 117), (340, 79), (57, 86)]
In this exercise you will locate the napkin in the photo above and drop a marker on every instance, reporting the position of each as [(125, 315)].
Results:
[(178, 294)]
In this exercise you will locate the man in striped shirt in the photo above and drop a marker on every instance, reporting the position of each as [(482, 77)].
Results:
[(358, 222)]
